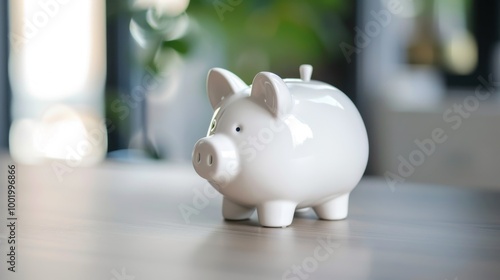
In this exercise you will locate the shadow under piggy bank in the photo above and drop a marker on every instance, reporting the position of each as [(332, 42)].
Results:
[(310, 249)]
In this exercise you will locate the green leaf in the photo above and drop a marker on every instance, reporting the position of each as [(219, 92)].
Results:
[(180, 45)]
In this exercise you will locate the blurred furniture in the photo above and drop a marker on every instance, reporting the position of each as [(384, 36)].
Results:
[(118, 221), (424, 60), (470, 155)]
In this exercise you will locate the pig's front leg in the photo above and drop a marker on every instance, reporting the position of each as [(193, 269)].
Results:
[(334, 209), (276, 213), (234, 211)]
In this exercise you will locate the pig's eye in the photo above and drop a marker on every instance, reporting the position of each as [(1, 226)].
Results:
[(238, 129)]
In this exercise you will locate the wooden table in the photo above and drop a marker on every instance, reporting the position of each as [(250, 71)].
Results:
[(123, 222)]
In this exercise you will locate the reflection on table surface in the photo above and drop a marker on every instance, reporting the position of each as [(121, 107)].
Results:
[(122, 221)]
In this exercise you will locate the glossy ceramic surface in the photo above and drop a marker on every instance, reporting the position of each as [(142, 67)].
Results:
[(281, 145)]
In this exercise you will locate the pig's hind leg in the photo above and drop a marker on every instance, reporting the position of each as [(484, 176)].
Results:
[(234, 211), (334, 209)]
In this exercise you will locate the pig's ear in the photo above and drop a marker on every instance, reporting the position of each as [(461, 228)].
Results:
[(271, 92), (221, 84)]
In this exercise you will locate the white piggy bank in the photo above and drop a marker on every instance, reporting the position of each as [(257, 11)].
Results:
[(280, 146)]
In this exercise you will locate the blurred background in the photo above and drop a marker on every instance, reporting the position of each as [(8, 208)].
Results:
[(87, 81)]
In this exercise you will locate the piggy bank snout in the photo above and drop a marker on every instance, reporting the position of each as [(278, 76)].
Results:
[(215, 158)]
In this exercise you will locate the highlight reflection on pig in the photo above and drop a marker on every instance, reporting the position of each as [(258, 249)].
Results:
[(281, 145)]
